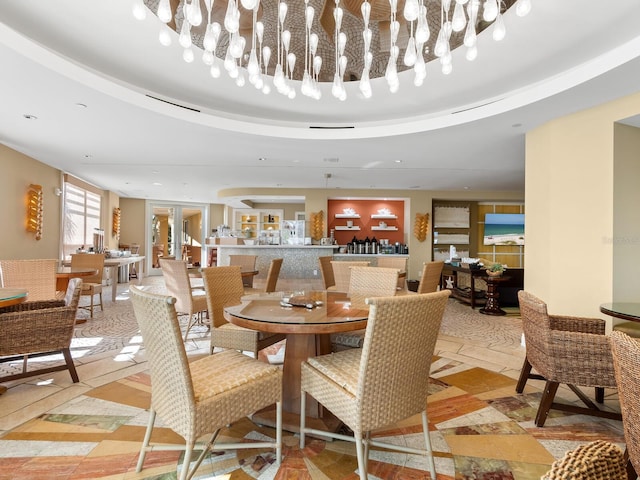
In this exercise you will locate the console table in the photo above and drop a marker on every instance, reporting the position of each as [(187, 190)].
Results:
[(507, 289)]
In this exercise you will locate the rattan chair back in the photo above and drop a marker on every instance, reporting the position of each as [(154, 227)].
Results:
[(626, 361), (273, 274), (365, 282), (342, 273), (597, 460), (38, 276), (205, 395), (430, 277), (399, 263), (326, 270), (247, 264), (189, 301), (40, 328)]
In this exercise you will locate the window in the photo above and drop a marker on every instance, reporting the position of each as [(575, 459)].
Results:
[(81, 217)]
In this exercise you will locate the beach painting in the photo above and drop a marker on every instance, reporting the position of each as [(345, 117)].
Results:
[(504, 229)]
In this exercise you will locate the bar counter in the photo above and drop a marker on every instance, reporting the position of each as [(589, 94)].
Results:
[(300, 261)]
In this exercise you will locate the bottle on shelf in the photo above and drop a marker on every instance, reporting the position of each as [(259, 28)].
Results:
[(367, 245), (374, 246)]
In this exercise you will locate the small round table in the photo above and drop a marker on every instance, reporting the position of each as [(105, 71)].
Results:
[(624, 310), (492, 307), (64, 274), (12, 296)]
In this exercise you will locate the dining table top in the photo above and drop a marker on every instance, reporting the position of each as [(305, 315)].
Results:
[(312, 312), (624, 310), (12, 296), (71, 272)]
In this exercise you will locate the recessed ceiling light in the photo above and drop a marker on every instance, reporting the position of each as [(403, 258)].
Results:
[(81, 105), (262, 159), (88, 155), (30, 117), (397, 161), (516, 125), (157, 184), (155, 172)]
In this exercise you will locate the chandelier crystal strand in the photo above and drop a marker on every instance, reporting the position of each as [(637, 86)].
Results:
[(470, 35), (391, 73), (421, 36), (365, 82), (340, 41)]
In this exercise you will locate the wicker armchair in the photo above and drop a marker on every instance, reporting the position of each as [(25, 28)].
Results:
[(626, 361), (342, 273), (569, 350), (38, 276), (326, 270), (430, 278), (190, 300), (272, 278), (247, 264), (597, 460), (365, 282), (204, 396), (92, 285), (37, 329), (355, 385), (223, 287)]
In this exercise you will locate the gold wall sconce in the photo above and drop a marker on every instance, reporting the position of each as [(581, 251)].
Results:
[(116, 223), (421, 226), (34, 210)]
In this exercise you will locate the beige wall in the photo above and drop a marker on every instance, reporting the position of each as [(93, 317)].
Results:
[(569, 197), (18, 172), (626, 214)]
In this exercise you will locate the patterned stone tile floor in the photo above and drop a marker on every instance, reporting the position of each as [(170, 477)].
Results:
[(480, 428)]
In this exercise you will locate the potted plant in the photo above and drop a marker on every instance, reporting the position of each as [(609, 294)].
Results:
[(495, 270)]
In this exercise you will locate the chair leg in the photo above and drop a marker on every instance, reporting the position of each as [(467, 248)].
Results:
[(147, 439), (185, 473), (427, 441), (70, 365), (548, 395), (524, 376), (303, 408), (279, 432), (362, 461)]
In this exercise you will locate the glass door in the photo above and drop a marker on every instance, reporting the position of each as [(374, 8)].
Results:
[(175, 231)]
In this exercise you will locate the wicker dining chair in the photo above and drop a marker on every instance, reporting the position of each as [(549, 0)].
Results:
[(326, 270), (272, 278), (342, 273), (626, 361), (247, 263), (365, 282), (399, 263), (203, 396), (223, 287), (569, 350), (38, 329), (190, 300), (38, 276), (430, 277), (91, 285), (385, 381), (597, 460)]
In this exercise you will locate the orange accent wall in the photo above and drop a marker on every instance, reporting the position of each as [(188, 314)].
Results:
[(366, 208)]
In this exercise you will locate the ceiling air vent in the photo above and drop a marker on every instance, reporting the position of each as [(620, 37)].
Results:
[(174, 104)]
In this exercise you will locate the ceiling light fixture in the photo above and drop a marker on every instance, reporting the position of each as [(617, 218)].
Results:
[(390, 42)]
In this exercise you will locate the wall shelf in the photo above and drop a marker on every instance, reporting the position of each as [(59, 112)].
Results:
[(344, 227), (389, 229), (347, 215), (391, 217)]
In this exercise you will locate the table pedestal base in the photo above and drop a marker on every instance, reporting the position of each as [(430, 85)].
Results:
[(492, 307)]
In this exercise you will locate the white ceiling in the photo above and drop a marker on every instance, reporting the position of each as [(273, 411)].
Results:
[(462, 131)]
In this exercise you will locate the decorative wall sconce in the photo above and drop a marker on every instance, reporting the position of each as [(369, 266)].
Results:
[(34, 210), (421, 226), (116, 223), (317, 225)]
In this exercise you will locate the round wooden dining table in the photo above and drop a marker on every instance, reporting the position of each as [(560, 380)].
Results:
[(64, 274), (307, 331), (12, 296)]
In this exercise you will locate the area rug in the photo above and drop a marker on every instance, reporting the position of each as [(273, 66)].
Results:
[(479, 427)]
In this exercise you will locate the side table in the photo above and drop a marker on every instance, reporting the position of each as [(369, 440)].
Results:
[(492, 307)]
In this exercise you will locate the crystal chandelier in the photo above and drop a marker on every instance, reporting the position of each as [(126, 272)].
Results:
[(259, 41)]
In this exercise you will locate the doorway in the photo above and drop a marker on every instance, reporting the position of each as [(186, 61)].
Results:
[(176, 231)]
